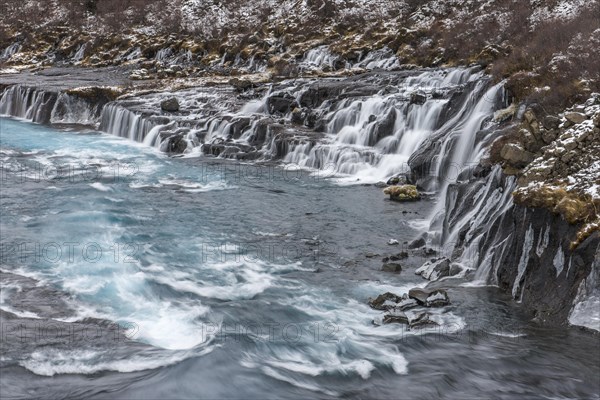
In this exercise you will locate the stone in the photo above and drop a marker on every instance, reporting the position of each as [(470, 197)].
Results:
[(406, 303), (399, 256), (418, 98), (241, 85), (403, 193), (438, 298), (392, 267), (529, 116), (575, 117), (395, 316), (422, 320), (434, 270), (516, 155), (393, 242), (549, 136), (397, 180), (418, 294), (384, 301), (429, 298), (551, 122), (281, 103), (415, 244), (170, 105)]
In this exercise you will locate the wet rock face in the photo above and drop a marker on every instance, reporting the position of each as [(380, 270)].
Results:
[(538, 267)]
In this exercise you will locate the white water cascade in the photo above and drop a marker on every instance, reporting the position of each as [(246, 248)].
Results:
[(120, 121), (27, 103), (10, 51), (359, 144)]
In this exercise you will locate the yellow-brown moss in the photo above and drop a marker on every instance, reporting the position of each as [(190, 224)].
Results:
[(575, 208)]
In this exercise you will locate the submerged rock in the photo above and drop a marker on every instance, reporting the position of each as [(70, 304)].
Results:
[(391, 267)]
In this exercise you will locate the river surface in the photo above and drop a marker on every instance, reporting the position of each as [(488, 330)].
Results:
[(234, 280)]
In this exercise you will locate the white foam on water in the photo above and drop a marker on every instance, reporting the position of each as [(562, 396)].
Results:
[(55, 362), (101, 187)]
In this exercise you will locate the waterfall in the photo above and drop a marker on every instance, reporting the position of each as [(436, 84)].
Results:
[(28, 103), (318, 58), (372, 138), (586, 307), (122, 122), (70, 109), (10, 51), (80, 53), (383, 58)]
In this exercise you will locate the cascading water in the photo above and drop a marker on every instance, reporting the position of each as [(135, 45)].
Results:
[(120, 121), (10, 51), (373, 138), (28, 103), (318, 58)]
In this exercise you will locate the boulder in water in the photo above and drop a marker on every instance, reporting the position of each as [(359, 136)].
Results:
[(398, 180), (418, 242), (170, 105), (422, 320), (402, 193), (395, 316), (435, 269), (429, 298), (384, 301)]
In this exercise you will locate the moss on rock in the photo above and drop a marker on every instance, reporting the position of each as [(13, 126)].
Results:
[(403, 193)]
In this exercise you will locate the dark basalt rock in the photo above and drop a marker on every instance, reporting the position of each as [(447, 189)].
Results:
[(175, 144), (170, 105), (398, 180), (429, 298), (241, 85), (379, 302), (418, 98), (383, 128), (395, 316), (415, 244), (422, 321), (281, 103)]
